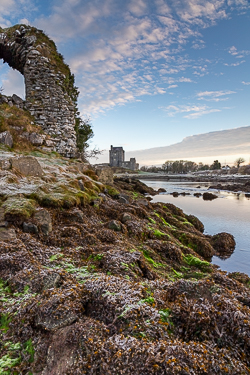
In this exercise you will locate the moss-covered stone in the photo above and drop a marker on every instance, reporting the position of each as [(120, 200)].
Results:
[(18, 208)]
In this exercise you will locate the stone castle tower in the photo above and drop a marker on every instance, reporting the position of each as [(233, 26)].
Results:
[(117, 156), (50, 92)]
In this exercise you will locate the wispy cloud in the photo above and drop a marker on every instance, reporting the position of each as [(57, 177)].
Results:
[(126, 49), (214, 96), (142, 39), (235, 64), (245, 83), (189, 111)]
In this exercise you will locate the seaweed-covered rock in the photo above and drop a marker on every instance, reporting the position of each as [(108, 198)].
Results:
[(223, 243), (196, 222), (209, 196)]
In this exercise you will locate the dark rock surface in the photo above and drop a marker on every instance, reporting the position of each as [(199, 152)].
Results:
[(209, 196), (139, 298)]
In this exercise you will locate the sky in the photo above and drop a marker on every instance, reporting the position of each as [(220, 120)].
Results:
[(150, 72)]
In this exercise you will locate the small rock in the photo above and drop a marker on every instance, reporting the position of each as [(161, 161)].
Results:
[(162, 190), (30, 228), (27, 165), (76, 215), (209, 196), (51, 281), (122, 200), (6, 138), (175, 194), (7, 234), (36, 139), (198, 195), (43, 219), (126, 217), (143, 202), (115, 225), (81, 185)]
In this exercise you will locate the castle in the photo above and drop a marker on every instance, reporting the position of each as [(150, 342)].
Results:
[(116, 159), (49, 85)]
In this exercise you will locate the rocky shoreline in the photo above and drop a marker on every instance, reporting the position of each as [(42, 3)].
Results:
[(97, 279), (218, 178)]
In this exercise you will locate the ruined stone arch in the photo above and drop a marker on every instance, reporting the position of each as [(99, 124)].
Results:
[(49, 85)]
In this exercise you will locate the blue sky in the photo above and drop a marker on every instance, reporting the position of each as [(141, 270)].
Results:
[(150, 72)]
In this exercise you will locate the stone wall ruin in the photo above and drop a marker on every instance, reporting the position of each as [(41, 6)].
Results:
[(49, 85)]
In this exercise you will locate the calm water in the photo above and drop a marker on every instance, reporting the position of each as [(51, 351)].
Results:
[(228, 213)]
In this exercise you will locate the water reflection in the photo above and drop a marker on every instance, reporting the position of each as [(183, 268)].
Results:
[(230, 213)]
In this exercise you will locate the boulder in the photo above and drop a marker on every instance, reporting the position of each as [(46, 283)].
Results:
[(6, 138), (27, 165), (17, 100), (209, 196), (105, 175), (30, 228), (223, 243), (43, 220)]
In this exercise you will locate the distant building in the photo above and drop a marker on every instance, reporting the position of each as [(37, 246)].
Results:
[(117, 156)]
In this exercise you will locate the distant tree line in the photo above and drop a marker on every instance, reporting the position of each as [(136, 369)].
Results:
[(187, 166)]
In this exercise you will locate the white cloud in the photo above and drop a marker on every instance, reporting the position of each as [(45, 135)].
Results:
[(190, 111), (117, 38), (245, 83), (235, 64), (215, 96), (184, 79)]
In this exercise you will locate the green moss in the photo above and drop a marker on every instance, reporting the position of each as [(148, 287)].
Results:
[(55, 256), (112, 191), (29, 349), (5, 320), (150, 300), (151, 261), (21, 207), (152, 220), (191, 260), (183, 238), (159, 234), (14, 354)]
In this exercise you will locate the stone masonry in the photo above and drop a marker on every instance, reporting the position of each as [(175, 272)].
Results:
[(47, 98)]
